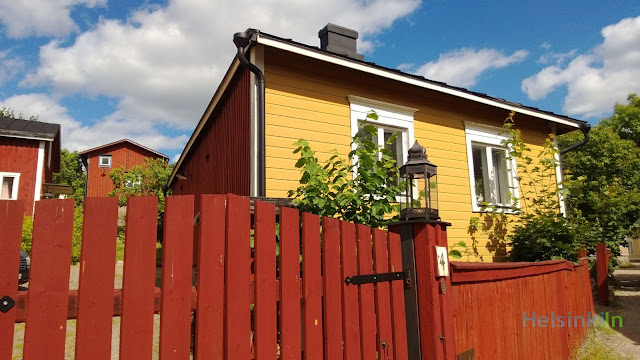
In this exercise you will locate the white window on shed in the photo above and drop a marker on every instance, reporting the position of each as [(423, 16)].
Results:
[(9, 185), (104, 161)]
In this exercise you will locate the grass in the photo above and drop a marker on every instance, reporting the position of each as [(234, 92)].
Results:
[(595, 347), (627, 265)]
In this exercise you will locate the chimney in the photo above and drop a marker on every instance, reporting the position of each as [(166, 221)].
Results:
[(339, 40)]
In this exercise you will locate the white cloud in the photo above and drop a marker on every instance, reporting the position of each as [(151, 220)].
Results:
[(163, 64), (557, 58), (10, 66), (598, 79), (78, 136), (41, 17), (463, 67)]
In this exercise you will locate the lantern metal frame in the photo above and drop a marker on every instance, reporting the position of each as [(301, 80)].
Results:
[(419, 167)]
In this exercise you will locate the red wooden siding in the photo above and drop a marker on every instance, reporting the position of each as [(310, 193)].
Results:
[(218, 161), (122, 154), (21, 156), (490, 301)]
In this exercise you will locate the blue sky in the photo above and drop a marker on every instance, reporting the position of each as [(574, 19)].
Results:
[(145, 70)]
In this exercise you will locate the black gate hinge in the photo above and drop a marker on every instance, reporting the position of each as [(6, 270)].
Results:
[(376, 278)]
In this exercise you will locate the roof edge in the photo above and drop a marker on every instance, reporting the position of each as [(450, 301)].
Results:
[(312, 52), (85, 152), (226, 79)]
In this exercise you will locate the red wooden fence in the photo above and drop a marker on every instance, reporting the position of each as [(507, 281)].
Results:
[(302, 308), (491, 302)]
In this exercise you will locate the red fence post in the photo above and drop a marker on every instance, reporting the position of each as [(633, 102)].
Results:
[(602, 264), (428, 303)]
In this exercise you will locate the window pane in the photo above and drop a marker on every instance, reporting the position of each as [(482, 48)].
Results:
[(395, 147), (478, 172), (500, 170), (7, 188), (366, 133)]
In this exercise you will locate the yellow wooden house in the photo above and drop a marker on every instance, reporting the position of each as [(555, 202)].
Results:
[(277, 91)]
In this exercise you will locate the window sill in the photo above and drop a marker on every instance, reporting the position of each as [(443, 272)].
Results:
[(501, 209)]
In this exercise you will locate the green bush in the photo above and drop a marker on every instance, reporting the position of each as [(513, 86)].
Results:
[(27, 234)]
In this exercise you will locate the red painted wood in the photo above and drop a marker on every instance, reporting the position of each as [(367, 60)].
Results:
[(332, 289), (138, 283), (602, 267), (10, 236), (290, 328), (123, 154), (476, 272), (350, 299), (237, 292), (366, 292), (46, 324), (222, 146), (177, 273), (382, 295), (312, 339), (428, 293), (21, 156), (265, 311), (397, 299), (559, 290), (97, 269), (210, 304)]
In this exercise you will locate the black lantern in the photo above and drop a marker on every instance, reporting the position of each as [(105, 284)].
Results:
[(420, 175)]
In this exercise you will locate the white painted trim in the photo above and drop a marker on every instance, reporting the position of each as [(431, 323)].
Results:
[(491, 136), (203, 120), (257, 58), (16, 182), (26, 137), (49, 155), (39, 171), (562, 202), (406, 79)]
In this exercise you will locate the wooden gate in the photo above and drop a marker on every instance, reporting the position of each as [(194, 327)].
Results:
[(255, 295)]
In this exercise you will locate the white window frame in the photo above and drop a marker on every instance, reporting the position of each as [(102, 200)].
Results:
[(492, 138), (105, 156), (16, 182), (390, 116)]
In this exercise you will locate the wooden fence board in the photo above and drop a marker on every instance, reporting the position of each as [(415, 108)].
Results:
[(332, 289), (382, 295), (237, 320), (397, 300), (366, 291), (210, 282), (312, 288), (138, 283), (10, 235), (97, 271), (177, 273), (265, 311), (290, 327), (350, 300), (46, 324)]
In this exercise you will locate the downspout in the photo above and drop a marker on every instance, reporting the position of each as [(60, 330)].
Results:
[(585, 128), (242, 40), (85, 162)]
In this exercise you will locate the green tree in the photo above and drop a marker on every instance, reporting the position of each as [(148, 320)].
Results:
[(606, 186), (7, 112), (147, 179), (72, 173), (361, 188)]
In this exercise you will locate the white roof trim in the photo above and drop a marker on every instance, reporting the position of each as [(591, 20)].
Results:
[(203, 120), (395, 76), (26, 137)]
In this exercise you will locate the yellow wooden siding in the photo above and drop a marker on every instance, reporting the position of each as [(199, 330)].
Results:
[(312, 104)]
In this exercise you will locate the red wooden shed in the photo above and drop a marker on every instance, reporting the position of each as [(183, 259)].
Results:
[(99, 162), (29, 155)]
